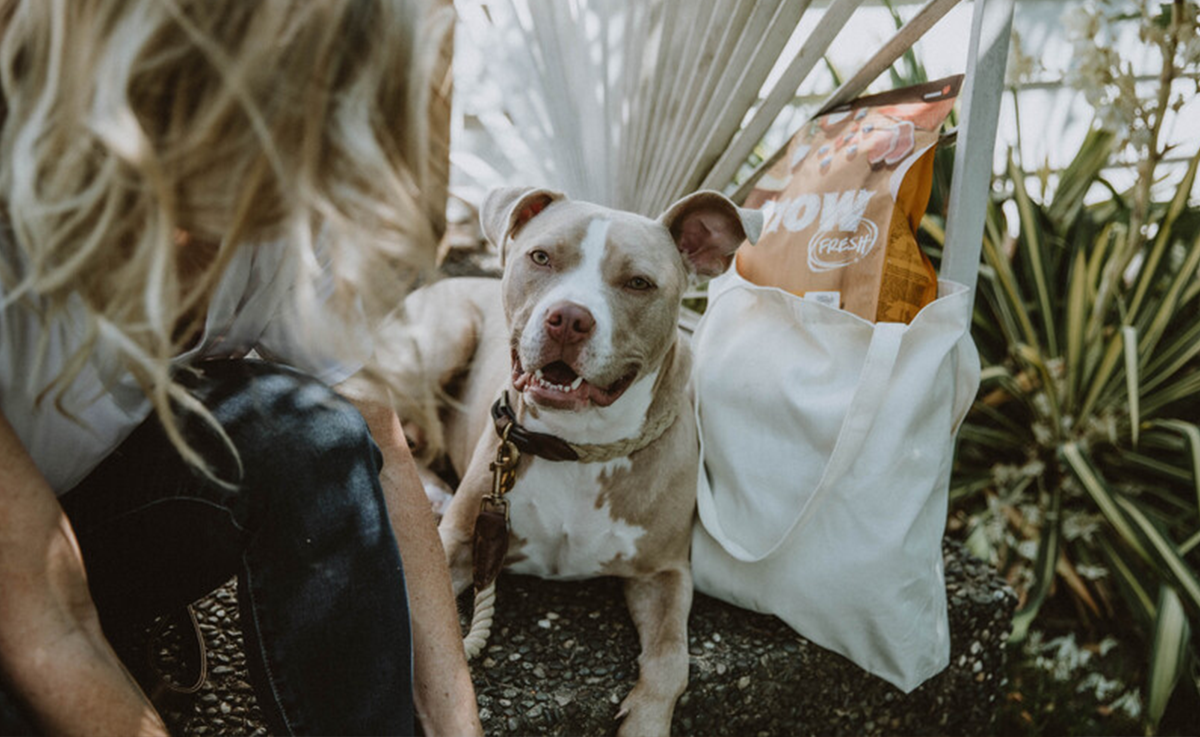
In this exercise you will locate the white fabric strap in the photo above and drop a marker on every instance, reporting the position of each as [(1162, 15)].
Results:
[(987, 55), (872, 387)]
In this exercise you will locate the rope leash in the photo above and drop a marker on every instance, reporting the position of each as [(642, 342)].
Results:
[(481, 621), (490, 543)]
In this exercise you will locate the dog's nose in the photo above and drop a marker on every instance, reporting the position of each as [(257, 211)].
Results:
[(567, 322)]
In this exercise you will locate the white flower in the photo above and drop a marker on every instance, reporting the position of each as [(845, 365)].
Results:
[(1004, 473), (1027, 549), (1191, 48), (1102, 688), (1041, 403), (1022, 67), (1081, 21), (1034, 468), (1080, 525), (1130, 703), (1063, 657), (1106, 645), (1091, 573)]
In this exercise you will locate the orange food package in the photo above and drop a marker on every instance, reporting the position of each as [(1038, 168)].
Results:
[(843, 204)]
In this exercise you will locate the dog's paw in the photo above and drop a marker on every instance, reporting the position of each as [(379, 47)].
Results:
[(644, 714), (458, 558)]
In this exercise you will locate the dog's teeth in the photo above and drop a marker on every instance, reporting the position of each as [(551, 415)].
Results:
[(540, 379)]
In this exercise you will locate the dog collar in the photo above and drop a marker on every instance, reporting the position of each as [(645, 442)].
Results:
[(554, 448), (543, 445)]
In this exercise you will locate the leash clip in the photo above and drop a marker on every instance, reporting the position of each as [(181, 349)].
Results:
[(504, 474)]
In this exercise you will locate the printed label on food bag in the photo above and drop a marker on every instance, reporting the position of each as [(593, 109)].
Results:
[(843, 236), (836, 249)]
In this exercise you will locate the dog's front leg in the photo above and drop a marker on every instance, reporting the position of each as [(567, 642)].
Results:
[(659, 605), (458, 523)]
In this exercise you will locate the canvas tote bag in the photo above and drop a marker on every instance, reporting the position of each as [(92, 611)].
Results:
[(826, 448)]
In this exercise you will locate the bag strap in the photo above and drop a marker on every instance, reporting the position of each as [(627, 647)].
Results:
[(987, 57), (873, 384)]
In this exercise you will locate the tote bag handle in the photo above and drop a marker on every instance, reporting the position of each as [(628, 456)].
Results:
[(872, 387)]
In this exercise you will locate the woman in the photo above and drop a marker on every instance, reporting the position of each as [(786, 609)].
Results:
[(182, 182)]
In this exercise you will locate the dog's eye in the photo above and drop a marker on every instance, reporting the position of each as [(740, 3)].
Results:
[(639, 284), (539, 257)]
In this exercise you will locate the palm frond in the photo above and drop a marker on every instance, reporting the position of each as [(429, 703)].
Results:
[(628, 103)]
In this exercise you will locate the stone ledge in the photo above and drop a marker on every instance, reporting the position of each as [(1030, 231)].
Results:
[(563, 655)]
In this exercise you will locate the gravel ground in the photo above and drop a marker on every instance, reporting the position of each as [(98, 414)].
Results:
[(224, 703), (563, 655)]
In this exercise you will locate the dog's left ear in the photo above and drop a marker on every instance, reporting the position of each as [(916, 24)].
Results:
[(708, 228), (506, 210)]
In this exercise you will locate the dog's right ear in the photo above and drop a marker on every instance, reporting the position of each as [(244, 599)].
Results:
[(507, 209), (708, 228)]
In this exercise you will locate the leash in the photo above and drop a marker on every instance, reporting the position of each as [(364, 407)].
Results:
[(490, 541)]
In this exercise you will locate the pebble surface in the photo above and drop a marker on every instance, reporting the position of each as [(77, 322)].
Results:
[(563, 655), (225, 703)]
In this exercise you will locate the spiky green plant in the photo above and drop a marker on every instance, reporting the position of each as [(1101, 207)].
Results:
[(1078, 469), (1079, 465)]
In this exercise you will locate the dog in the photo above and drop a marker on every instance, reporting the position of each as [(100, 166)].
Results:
[(577, 351)]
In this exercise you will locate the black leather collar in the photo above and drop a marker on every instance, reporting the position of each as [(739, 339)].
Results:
[(543, 445)]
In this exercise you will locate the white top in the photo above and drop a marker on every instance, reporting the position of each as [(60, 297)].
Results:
[(249, 311)]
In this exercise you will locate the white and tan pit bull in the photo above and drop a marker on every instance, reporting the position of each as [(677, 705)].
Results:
[(581, 337)]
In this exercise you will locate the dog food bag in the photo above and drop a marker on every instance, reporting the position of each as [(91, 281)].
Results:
[(842, 206)]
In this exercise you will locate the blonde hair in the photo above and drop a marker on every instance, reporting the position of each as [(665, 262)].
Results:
[(126, 123)]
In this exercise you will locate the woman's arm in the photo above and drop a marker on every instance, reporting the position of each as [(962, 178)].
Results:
[(52, 651), (445, 697)]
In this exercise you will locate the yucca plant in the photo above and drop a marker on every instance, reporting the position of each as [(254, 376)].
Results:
[(1078, 468), (1079, 465)]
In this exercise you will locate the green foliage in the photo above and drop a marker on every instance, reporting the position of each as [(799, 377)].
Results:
[(1077, 469), (1059, 687)]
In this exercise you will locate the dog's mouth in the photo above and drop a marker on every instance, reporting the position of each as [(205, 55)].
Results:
[(558, 386)]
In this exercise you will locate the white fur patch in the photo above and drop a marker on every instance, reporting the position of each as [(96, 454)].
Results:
[(553, 507), (583, 285)]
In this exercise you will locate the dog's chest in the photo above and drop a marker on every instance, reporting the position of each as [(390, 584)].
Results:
[(561, 513)]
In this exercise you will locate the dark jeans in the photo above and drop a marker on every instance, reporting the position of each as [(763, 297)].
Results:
[(321, 594)]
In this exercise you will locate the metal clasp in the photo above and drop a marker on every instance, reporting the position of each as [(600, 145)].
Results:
[(504, 474)]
